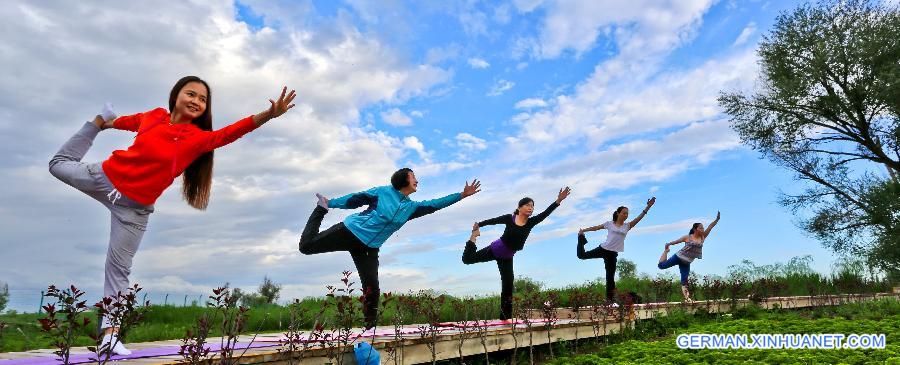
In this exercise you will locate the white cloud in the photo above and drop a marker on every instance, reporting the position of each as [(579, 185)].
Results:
[(639, 27), (474, 22), (662, 100), (438, 168), (415, 144), (437, 55), (502, 14), (478, 63), (748, 31), (395, 117), (132, 57), (530, 103), (501, 87), (631, 123), (471, 142), (526, 6)]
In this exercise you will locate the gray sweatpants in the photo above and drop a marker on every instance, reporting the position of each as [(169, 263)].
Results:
[(129, 218)]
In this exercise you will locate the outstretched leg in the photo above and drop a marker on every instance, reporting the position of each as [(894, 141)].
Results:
[(336, 238), (592, 254), (66, 164), (664, 255), (472, 255), (683, 267)]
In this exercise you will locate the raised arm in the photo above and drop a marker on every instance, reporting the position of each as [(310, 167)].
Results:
[(227, 134), (563, 194), (231, 133), (637, 219), (355, 200), (433, 205), (711, 225), (543, 215), (278, 108), (430, 206)]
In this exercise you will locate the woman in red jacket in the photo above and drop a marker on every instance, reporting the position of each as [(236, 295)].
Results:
[(168, 144)]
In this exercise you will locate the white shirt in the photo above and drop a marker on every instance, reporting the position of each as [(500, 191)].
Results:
[(615, 238)]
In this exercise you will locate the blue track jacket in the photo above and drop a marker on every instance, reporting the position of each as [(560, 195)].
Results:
[(387, 211)]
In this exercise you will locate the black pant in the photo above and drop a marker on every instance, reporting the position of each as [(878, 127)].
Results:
[(609, 261), (472, 255), (339, 238)]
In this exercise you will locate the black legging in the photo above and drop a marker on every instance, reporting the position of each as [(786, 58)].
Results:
[(609, 261), (339, 238), (471, 256)]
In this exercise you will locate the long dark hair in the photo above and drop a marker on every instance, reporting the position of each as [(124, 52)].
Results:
[(616, 213), (522, 202), (694, 228), (198, 175)]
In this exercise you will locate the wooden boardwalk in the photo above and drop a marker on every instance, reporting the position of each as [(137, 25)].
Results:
[(411, 346)]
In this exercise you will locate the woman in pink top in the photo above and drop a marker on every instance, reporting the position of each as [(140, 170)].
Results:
[(617, 228)]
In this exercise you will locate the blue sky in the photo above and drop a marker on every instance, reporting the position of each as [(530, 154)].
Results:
[(615, 99)]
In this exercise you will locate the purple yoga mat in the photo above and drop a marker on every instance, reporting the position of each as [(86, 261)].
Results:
[(215, 347), (135, 354)]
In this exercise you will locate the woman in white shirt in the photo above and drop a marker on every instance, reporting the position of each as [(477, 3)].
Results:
[(693, 249), (615, 242)]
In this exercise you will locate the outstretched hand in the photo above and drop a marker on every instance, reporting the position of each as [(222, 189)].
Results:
[(651, 201), (283, 104), (470, 190), (563, 194), (718, 215)]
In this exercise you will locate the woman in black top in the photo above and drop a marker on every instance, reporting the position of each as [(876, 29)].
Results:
[(518, 226)]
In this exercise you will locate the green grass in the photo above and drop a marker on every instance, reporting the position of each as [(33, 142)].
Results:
[(878, 317), (169, 322)]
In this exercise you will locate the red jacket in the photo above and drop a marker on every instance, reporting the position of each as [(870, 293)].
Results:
[(162, 151)]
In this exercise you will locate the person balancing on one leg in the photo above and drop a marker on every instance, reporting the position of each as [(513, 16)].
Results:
[(362, 234), (517, 227), (693, 249), (169, 142)]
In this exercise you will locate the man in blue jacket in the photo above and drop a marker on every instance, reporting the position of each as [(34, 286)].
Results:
[(361, 234)]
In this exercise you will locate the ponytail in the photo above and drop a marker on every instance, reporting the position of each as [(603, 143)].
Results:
[(616, 213)]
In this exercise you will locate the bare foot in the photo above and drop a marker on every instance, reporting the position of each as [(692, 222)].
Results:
[(323, 201)]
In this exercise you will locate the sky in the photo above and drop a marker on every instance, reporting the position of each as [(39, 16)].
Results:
[(616, 99)]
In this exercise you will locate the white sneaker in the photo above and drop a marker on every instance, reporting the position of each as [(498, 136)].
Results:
[(118, 348), (108, 114)]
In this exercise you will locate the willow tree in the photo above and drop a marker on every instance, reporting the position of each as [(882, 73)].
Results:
[(827, 107)]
